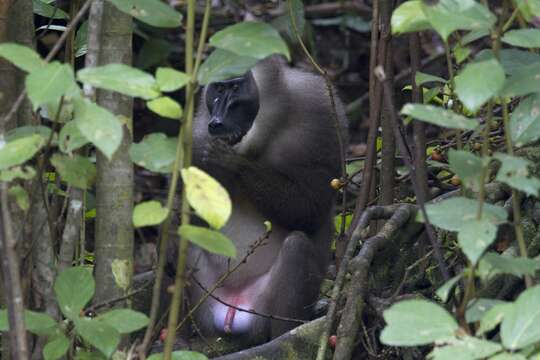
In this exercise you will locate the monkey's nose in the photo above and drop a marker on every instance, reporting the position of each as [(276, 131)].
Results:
[(215, 126)]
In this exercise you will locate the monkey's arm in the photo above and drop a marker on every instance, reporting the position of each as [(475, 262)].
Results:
[(296, 197)]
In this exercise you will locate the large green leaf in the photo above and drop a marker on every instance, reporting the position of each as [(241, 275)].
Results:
[(439, 116), (74, 287), (467, 166), (149, 213), (525, 121), (98, 126), (447, 16), (493, 263), (467, 348), (50, 83), (475, 236), (70, 138), (19, 151), (409, 17), (493, 317), (49, 11), (477, 308), (417, 322), (156, 152), (209, 199), (222, 65), (56, 347), (252, 39), (23, 57), (524, 81), (169, 79), (76, 170), (36, 322), (125, 321), (515, 172), (479, 82), (121, 78), (521, 326), (166, 107), (208, 239), (529, 38), (99, 334), (451, 214), (152, 12)]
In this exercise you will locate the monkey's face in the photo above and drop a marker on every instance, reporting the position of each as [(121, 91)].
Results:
[(233, 106)]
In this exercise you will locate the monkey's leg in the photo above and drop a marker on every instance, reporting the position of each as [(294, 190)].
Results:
[(294, 281)]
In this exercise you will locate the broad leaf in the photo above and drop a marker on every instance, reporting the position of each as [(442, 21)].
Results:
[(74, 287), (222, 65), (19, 151), (493, 263), (99, 334), (438, 116), (475, 236), (467, 166), (421, 78), (121, 78), (125, 321), (156, 152), (36, 322), (209, 199), (166, 107), (465, 348), (444, 291), (493, 317), (525, 121), (56, 347), (479, 82), (25, 131), (77, 170), (477, 308), (529, 38), (21, 196), (409, 17), (169, 79), (524, 81), (151, 12), (208, 239), (149, 213), (49, 11), (521, 325), (252, 39), (23, 57), (515, 172), (70, 138), (98, 126), (50, 83), (417, 322)]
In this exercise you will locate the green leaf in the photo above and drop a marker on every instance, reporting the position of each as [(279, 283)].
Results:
[(514, 172), (502, 264), (209, 199), (50, 83), (417, 322), (156, 152), (98, 126), (467, 166), (409, 17), (21, 196), (56, 348), (473, 36), (70, 138), (439, 116), (513, 59), (38, 323), (475, 236), (166, 107), (149, 213), (169, 79), (121, 78), (48, 11), (125, 321), (77, 171), (467, 348), (81, 40), (210, 240), (493, 317), (284, 25), (525, 121), (447, 16), (180, 355), (25, 131), (508, 356), (529, 38), (477, 308), (222, 65), (444, 291), (421, 78), (521, 326), (451, 214), (99, 334), (253, 39), (19, 151), (524, 81), (22, 57), (151, 12), (74, 287), (24, 173), (479, 82)]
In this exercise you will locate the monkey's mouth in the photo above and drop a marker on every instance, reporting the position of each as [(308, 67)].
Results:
[(231, 139)]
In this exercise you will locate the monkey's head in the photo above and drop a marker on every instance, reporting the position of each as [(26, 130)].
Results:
[(233, 106)]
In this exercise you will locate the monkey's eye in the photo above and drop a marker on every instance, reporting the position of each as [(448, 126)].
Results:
[(220, 88)]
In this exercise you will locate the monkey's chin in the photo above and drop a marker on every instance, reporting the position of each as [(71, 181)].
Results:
[(231, 139)]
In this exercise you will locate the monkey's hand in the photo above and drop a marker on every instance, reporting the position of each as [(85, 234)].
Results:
[(221, 154)]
